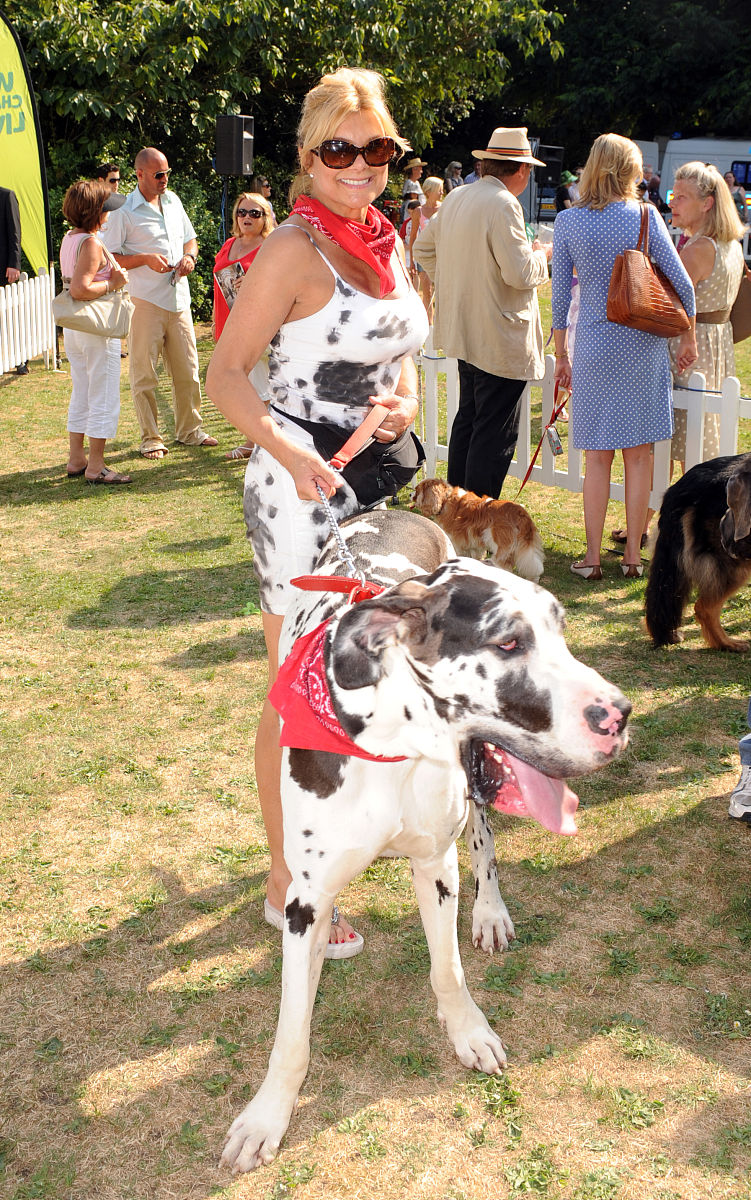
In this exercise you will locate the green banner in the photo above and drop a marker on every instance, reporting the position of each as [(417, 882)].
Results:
[(21, 155)]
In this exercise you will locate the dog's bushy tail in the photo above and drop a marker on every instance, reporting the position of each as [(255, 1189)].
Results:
[(669, 584), (530, 559)]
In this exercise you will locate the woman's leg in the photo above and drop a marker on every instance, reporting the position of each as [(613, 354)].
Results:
[(637, 466), (76, 453), (596, 493), (78, 409), (268, 765)]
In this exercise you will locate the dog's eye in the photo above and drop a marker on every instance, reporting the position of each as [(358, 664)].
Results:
[(508, 646)]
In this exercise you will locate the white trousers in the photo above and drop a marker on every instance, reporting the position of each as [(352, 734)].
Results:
[(95, 371)]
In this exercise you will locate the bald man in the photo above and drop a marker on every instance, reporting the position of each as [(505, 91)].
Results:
[(152, 237)]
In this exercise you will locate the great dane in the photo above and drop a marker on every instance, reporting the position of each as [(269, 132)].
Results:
[(457, 680)]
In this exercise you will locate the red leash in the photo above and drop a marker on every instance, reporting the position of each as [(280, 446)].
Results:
[(358, 590), (557, 410)]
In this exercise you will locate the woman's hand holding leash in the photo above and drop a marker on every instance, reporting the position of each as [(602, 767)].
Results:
[(687, 352), (308, 469), (563, 371), (402, 412)]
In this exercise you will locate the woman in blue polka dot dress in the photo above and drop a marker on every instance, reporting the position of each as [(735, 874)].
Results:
[(620, 378)]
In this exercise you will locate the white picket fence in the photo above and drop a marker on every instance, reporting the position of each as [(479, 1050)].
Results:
[(27, 327), (696, 400)]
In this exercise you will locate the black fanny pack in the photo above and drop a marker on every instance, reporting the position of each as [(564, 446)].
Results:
[(377, 471)]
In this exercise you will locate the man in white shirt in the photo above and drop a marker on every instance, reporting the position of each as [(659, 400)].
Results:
[(152, 237)]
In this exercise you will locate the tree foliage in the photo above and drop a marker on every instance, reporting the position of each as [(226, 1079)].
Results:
[(643, 71), (114, 75), (161, 71)]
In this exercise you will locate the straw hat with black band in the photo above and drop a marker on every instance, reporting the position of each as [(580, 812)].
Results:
[(509, 145), (413, 162)]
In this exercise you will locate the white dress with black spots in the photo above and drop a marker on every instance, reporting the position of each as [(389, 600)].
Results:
[(621, 382), (322, 368), (714, 342)]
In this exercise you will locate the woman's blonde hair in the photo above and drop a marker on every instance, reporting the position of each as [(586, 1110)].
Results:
[(721, 221), (432, 185), (346, 91), (611, 173), (257, 201)]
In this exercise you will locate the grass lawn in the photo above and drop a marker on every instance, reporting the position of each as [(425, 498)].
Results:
[(138, 983)]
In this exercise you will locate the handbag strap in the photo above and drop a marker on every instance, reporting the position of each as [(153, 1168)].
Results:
[(644, 231), (67, 279)]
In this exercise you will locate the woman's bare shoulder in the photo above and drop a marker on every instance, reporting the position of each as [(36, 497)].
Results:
[(288, 241)]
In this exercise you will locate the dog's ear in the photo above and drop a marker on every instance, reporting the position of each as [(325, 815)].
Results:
[(739, 507), (366, 629)]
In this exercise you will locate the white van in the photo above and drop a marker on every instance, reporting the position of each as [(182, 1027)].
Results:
[(727, 154)]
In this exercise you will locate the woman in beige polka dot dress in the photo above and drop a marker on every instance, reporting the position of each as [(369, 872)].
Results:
[(703, 208)]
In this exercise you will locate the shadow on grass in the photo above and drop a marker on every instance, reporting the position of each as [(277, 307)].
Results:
[(250, 646), (185, 467), (144, 991), (154, 598)]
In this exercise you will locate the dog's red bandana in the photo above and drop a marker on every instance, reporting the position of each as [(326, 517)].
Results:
[(301, 697)]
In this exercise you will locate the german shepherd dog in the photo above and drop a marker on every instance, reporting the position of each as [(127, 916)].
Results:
[(703, 541)]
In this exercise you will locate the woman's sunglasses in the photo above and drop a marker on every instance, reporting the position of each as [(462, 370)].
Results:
[(255, 213), (336, 153)]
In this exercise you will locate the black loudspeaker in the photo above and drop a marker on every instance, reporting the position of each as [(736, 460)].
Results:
[(550, 174), (234, 146)]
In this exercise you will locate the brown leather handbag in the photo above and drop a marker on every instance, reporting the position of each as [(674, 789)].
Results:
[(740, 313), (640, 296)]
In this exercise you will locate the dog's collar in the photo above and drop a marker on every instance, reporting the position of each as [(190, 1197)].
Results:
[(301, 697)]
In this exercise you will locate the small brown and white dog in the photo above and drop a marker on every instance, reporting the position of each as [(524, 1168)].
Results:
[(478, 525)]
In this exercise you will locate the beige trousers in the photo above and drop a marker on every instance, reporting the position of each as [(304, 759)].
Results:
[(155, 330)]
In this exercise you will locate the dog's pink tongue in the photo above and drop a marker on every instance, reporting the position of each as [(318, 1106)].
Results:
[(532, 794)]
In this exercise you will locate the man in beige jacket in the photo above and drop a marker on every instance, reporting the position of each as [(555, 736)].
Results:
[(476, 251)]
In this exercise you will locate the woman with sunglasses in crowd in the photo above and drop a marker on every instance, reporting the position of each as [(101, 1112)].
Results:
[(252, 222), (330, 293)]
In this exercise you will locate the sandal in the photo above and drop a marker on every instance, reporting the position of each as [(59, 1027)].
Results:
[(348, 949), (632, 570), (619, 537), (155, 452), (239, 454), (592, 574), (107, 475)]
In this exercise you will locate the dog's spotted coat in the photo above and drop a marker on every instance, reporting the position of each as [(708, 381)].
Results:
[(454, 661)]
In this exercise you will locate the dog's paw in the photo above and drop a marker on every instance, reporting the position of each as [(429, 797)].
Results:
[(475, 1044), (480, 1049), (492, 928), (253, 1139)]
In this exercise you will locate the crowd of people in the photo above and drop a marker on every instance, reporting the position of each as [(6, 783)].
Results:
[(320, 317)]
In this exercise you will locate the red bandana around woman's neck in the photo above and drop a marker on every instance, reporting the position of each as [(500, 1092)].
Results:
[(372, 242)]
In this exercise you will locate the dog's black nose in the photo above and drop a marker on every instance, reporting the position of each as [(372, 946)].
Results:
[(601, 716)]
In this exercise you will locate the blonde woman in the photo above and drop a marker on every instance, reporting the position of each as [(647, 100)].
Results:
[(331, 296), (433, 189), (620, 377), (252, 222), (703, 208)]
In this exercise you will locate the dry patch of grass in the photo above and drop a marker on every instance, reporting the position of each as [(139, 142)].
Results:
[(139, 984)]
